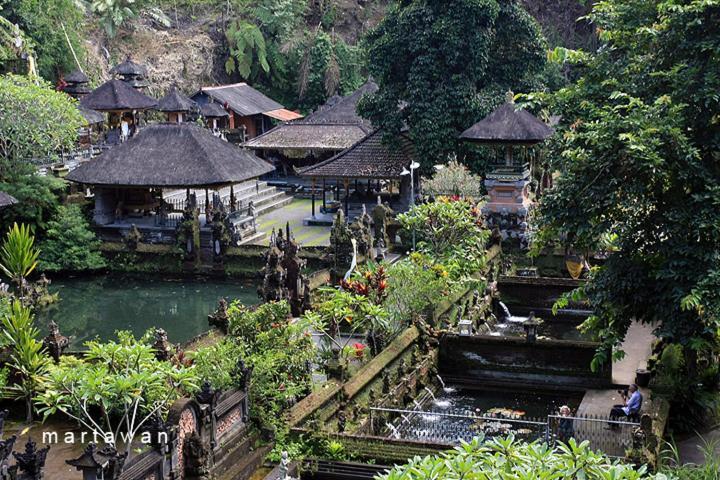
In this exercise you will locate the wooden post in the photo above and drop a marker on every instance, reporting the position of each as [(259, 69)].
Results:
[(313, 197), (324, 190), (347, 199)]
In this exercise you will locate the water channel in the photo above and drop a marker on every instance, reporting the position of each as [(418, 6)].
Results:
[(95, 307)]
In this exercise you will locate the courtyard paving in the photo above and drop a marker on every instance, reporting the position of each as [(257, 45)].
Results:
[(295, 212)]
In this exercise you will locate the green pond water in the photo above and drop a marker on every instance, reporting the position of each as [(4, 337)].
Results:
[(96, 307)]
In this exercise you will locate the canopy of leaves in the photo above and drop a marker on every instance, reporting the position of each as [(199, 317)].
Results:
[(122, 380), (506, 458), (442, 65), (36, 122), (280, 351), (639, 164), (69, 244), (451, 232), (37, 199), (50, 25), (453, 179)]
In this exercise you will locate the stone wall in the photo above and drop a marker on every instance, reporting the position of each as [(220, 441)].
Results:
[(480, 359)]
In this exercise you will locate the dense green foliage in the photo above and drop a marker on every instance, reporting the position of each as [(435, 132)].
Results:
[(450, 231), (448, 63), (453, 179), (38, 199), (279, 350), (270, 46), (18, 255), (28, 362), (639, 162), (69, 243), (506, 458), (122, 380), (49, 25), (36, 122)]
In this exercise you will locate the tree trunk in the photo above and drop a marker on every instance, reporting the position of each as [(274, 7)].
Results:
[(28, 410)]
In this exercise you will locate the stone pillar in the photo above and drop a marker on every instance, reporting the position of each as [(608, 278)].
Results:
[(105, 206)]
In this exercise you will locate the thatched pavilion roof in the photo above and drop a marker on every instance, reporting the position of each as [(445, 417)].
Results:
[(6, 200), (116, 95), (171, 155), (91, 116), (128, 67), (76, 76), (508, 124), (213, 110), (368, 158), (175, 101), (334, 126)]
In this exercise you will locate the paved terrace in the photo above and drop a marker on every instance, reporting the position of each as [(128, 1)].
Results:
[(295, 212)]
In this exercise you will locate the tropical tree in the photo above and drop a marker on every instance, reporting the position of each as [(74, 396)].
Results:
[(36, 122), (18, 255), (453, 179), (54, 29), (122, 380), (28, 361), (69, 243), (638, 163), (442, 65)]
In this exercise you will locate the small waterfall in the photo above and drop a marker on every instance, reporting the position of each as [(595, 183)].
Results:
[(504, 310), (430, 392), (445, 388)]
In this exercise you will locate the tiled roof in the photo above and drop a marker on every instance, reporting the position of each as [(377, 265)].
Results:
[(371, 157)]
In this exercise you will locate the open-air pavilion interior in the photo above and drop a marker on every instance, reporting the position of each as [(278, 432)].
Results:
[(148, 180)]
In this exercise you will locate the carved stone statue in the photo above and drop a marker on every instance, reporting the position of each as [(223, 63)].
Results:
[(380, 215), (273, 285), (133, 238), (341, 249), (282, 275), (32, 460), (195, 454), (55, 343), (219, 319), (162, 347)]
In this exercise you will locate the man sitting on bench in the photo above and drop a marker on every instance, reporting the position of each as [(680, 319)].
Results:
[(632, 402)]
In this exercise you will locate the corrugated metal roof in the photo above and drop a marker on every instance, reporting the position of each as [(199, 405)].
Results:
[(283, 115), (241, 98)]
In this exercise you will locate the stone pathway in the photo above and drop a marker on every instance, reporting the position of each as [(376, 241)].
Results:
[(691, 448), (295, 213), (637, 347)]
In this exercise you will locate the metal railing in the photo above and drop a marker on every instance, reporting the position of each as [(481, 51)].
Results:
[(450, 426)]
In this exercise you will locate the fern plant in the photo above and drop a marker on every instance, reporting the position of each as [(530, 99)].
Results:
[(247, 45)]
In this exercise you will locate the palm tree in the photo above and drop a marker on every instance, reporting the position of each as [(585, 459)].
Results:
[(18, 255)]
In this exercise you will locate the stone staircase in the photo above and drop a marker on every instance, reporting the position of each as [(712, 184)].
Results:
[(265, 198)]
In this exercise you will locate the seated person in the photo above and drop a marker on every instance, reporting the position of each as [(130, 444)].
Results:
[(565, 425), (632, 402)]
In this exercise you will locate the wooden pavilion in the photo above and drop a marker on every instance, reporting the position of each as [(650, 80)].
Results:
[(507, 180), (130, 181), (250, 112), (216, 117), (123, 104), (177, 106), (324, 133), (357, 172)]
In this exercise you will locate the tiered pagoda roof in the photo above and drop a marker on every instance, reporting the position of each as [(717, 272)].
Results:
[(76, 83), (175, 101), (180, 155), (508, 124), (116, 95)]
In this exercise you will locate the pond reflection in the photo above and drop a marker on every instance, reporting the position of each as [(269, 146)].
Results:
[(98, 306)]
